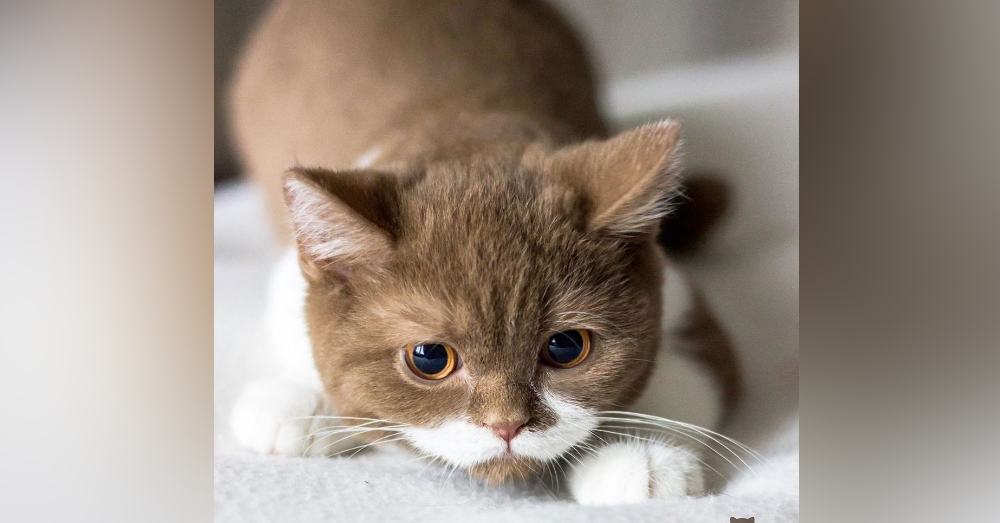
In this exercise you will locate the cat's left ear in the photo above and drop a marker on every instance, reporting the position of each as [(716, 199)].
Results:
[(343, 220), (629, 179)]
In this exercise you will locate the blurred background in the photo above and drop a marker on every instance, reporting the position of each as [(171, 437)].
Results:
[(663, 46)]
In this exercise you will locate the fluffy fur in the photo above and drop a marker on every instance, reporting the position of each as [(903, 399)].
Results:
[(633, 471), (487, 210)]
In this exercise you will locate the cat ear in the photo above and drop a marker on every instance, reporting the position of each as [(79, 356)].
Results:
[(343, 220), (629, 179)]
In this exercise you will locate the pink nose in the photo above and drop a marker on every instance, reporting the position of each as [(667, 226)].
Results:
[(509, 429)]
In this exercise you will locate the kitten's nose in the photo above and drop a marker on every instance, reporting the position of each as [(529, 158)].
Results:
[(508, 429)]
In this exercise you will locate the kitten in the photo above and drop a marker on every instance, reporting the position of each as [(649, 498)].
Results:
[(475, 275)]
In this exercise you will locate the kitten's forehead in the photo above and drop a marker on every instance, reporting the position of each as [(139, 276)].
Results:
[(500, 246), (496, 287), (506, 198)]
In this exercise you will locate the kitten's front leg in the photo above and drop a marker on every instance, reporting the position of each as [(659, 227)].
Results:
[(288, 415), (624, 472), (282, 416)]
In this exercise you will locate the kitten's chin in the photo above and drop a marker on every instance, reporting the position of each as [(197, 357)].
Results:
[(507, 468)]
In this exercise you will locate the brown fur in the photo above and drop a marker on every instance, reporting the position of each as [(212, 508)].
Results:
[(492, 264), (486, 223), (323, 81)]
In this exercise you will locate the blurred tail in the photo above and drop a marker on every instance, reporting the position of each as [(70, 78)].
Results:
[(704, 201)]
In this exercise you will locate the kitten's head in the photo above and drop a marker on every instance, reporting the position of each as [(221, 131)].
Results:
[(490, 305)]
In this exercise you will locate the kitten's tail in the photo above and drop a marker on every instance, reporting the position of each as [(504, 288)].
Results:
[(704, 202)]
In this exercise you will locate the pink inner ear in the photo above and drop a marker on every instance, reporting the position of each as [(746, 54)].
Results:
[(630, 178), (314, 272), (331, 236)]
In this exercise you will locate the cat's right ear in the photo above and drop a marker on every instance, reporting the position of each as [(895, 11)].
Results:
[(343, 220), (630, 179)]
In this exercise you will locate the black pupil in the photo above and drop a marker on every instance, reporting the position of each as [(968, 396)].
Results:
[(565, 346), (430, 358)]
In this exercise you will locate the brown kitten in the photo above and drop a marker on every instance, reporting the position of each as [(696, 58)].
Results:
[(485, 282)]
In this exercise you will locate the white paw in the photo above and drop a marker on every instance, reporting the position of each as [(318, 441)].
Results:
[(278, 417), (635, 471)]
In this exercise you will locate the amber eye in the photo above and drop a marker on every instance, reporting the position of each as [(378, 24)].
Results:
[(431, 361), (567, 349)]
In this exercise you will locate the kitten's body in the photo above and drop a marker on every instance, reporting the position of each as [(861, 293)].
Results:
[(329, 83), (448, 109)]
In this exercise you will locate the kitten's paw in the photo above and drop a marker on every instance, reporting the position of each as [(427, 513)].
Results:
[(632, 472), (276, 417)]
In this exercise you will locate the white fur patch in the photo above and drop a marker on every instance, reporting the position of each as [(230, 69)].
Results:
[(286, 321), (457, 442), (271, 416), (276, 416), (462, 443), (633, 471), (573, 425)]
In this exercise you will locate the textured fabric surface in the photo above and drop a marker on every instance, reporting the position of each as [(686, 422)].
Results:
[(390, 487)]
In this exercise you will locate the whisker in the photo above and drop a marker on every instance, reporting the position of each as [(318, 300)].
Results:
[(677, 447), (343, 417), (756, 455), (550, 470), (380, 440), (541, 482), (359, 429), (677, 431), (584, 428), (453, 469), (659, 422), (349, 436), (362, 447), (685, 429), (434, 459), (323, 433), (569, 452), (682, 428)]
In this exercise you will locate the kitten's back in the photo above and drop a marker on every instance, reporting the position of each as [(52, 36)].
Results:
[(328, 83)]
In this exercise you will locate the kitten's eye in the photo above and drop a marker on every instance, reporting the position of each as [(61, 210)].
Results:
[(431, 361), (567, 349)]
